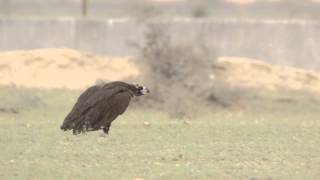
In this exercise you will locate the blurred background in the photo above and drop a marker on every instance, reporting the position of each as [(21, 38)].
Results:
[(235, 88)]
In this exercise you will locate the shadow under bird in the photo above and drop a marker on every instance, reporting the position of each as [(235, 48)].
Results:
[(99, 105)]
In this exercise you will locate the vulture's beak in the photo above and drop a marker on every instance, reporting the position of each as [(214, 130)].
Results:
[(145, 90)]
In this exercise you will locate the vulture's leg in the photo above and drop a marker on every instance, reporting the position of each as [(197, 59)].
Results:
[(106, 129)]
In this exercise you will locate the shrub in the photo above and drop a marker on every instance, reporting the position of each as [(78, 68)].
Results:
[(179, 75)]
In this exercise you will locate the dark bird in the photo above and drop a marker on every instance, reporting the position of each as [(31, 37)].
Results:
[(99, 105)]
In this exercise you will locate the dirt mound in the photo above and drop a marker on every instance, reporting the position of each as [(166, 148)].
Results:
[(257, 74), (61, 68), (65, 68)]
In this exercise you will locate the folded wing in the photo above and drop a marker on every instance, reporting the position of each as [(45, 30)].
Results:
[(96, 108)]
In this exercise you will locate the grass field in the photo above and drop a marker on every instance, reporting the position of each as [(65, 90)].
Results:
[(271, 144)]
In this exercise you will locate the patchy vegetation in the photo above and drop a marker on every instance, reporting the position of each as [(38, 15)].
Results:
[(14, 99)]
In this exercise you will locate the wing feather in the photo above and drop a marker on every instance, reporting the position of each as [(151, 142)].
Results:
[(117, 105)]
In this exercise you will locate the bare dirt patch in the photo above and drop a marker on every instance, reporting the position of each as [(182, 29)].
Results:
[(61, 68)]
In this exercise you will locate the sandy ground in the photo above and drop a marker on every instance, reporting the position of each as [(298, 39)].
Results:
[(61, 68), (254, 73), (65, 68)]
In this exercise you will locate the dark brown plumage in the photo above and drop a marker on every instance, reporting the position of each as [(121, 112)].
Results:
[(99, 105)]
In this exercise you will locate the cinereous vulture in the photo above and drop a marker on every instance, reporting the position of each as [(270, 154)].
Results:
[(99, 105)]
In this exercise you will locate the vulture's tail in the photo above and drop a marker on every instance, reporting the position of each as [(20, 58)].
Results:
[(65, 127), (77, 126), (68, 123)]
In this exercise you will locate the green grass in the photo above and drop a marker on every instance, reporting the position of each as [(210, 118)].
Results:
[(218, 145)]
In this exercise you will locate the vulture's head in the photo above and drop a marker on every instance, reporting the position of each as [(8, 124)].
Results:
[(139, 90)]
